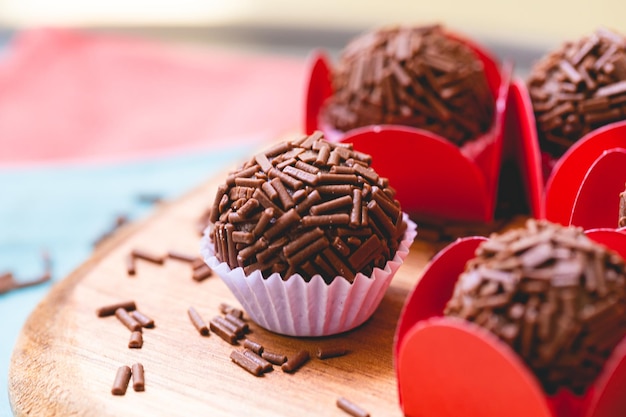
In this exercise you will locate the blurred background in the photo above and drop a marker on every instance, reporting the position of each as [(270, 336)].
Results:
[(519, 29)]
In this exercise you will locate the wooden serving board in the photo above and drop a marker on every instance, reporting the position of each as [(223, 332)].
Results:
[(66, 357)]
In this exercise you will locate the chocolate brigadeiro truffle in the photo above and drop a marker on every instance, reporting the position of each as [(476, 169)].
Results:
[(412, 76), (555, 296), (310, 207), (578, 88)]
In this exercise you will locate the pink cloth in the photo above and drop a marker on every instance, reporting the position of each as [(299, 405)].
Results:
[(67, 94)]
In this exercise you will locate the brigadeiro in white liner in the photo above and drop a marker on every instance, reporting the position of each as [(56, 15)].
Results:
[(307, 237)]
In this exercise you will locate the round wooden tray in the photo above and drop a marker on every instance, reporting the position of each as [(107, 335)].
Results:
[(66, 357)]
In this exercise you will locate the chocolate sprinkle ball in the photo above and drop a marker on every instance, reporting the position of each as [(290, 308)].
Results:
[(556, 297), (578, 88), (309, 207), (412, 76)]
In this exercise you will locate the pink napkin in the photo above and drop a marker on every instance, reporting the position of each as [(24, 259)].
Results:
[(67, 94)]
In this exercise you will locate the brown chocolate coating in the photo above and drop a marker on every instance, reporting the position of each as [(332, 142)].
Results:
[(556, 297), (310, 197), (577, 88), (412, 76)]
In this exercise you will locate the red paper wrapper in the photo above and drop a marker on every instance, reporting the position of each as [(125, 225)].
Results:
[(447, 367)]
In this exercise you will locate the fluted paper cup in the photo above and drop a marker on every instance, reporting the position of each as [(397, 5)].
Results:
[(295, 307)]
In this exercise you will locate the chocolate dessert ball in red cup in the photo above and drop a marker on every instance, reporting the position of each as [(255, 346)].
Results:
[(418, 77), (428, 105), (527, 322), (577, 88), (571, 119)]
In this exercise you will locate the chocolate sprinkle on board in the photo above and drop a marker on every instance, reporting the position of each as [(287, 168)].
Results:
[(9, 283), (136, 340), (296, 361), (139, 382), (306, 211), (144, 320), (122, 378), (110, 309), (246, 363), (553, 295), (413, 76), (351, 408)]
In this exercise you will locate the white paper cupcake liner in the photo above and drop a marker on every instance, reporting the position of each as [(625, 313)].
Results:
[(295, 307)]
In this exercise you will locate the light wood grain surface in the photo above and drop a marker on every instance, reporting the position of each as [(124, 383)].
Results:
[(66, 357)]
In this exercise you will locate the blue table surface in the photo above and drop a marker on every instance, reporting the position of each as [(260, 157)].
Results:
[(65, 208)]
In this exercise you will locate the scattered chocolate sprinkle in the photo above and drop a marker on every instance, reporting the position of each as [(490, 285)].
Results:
[(331, 352), (266, 366), (224, 329), (180, 256), (201, 273), (15, 285), (144, 320), (241, 326), (122, 378), (351, 408), (197, 321), (550, 293), (127, 320), (246, 363), (139, 382), (6, 282), (226, 308), (296, 361), (9, 283), (253, 346), (130, 264), (110, 309), (577, 88), (136, 340), (147, 256), (275, 358), (197, 263), (238, 327)]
